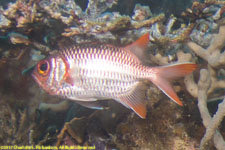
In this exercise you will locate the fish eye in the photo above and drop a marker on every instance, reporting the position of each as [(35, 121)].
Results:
[(43, 67)]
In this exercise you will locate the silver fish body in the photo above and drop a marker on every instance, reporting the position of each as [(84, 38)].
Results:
[(93, 72), (100, 72)]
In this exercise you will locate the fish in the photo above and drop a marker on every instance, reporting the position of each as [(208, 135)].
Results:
[(89, 73)]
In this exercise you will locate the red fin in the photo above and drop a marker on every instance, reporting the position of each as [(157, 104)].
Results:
[(176, 70), (142, 42), (166, 87), (135, 101), (139, 46), (163, 75)]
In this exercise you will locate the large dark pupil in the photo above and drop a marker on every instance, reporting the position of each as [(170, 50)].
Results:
[(43, 67)]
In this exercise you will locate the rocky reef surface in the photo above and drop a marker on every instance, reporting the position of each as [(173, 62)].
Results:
[(180, 30)]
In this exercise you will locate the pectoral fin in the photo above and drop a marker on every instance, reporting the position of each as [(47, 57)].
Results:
[(72, 75), (92, 104)]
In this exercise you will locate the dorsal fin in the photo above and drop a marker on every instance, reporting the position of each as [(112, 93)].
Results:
[(139, 47), (141, 43), (136, 100)]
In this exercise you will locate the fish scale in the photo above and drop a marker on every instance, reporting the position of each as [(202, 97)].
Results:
[(115, 73), (87, 73)]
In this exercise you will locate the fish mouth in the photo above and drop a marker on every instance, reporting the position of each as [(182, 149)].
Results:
[(36, 79), (39, 82)]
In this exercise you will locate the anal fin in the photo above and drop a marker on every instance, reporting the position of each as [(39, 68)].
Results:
[(135, 100)]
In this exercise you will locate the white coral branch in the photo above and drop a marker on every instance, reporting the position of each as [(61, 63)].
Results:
[(213, 125), (203, 87), (213, 54)]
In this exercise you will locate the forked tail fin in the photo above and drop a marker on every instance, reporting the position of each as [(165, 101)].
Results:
[(161, 77)]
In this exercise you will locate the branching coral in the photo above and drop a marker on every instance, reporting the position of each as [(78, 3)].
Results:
[(28, 12), (65, 11), (141, 12), (210, 48), (215, 57), (4, 22), (94, 21), (116, 23), (75, 128), (209, 81), (214, 54), (209, 123), (164, 34)]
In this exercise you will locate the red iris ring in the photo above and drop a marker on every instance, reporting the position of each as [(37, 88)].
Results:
[(43, 67)]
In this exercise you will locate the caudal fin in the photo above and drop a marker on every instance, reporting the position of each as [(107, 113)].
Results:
[(161, 77)]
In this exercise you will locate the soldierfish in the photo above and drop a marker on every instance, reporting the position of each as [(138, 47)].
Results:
[(87, 73)]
